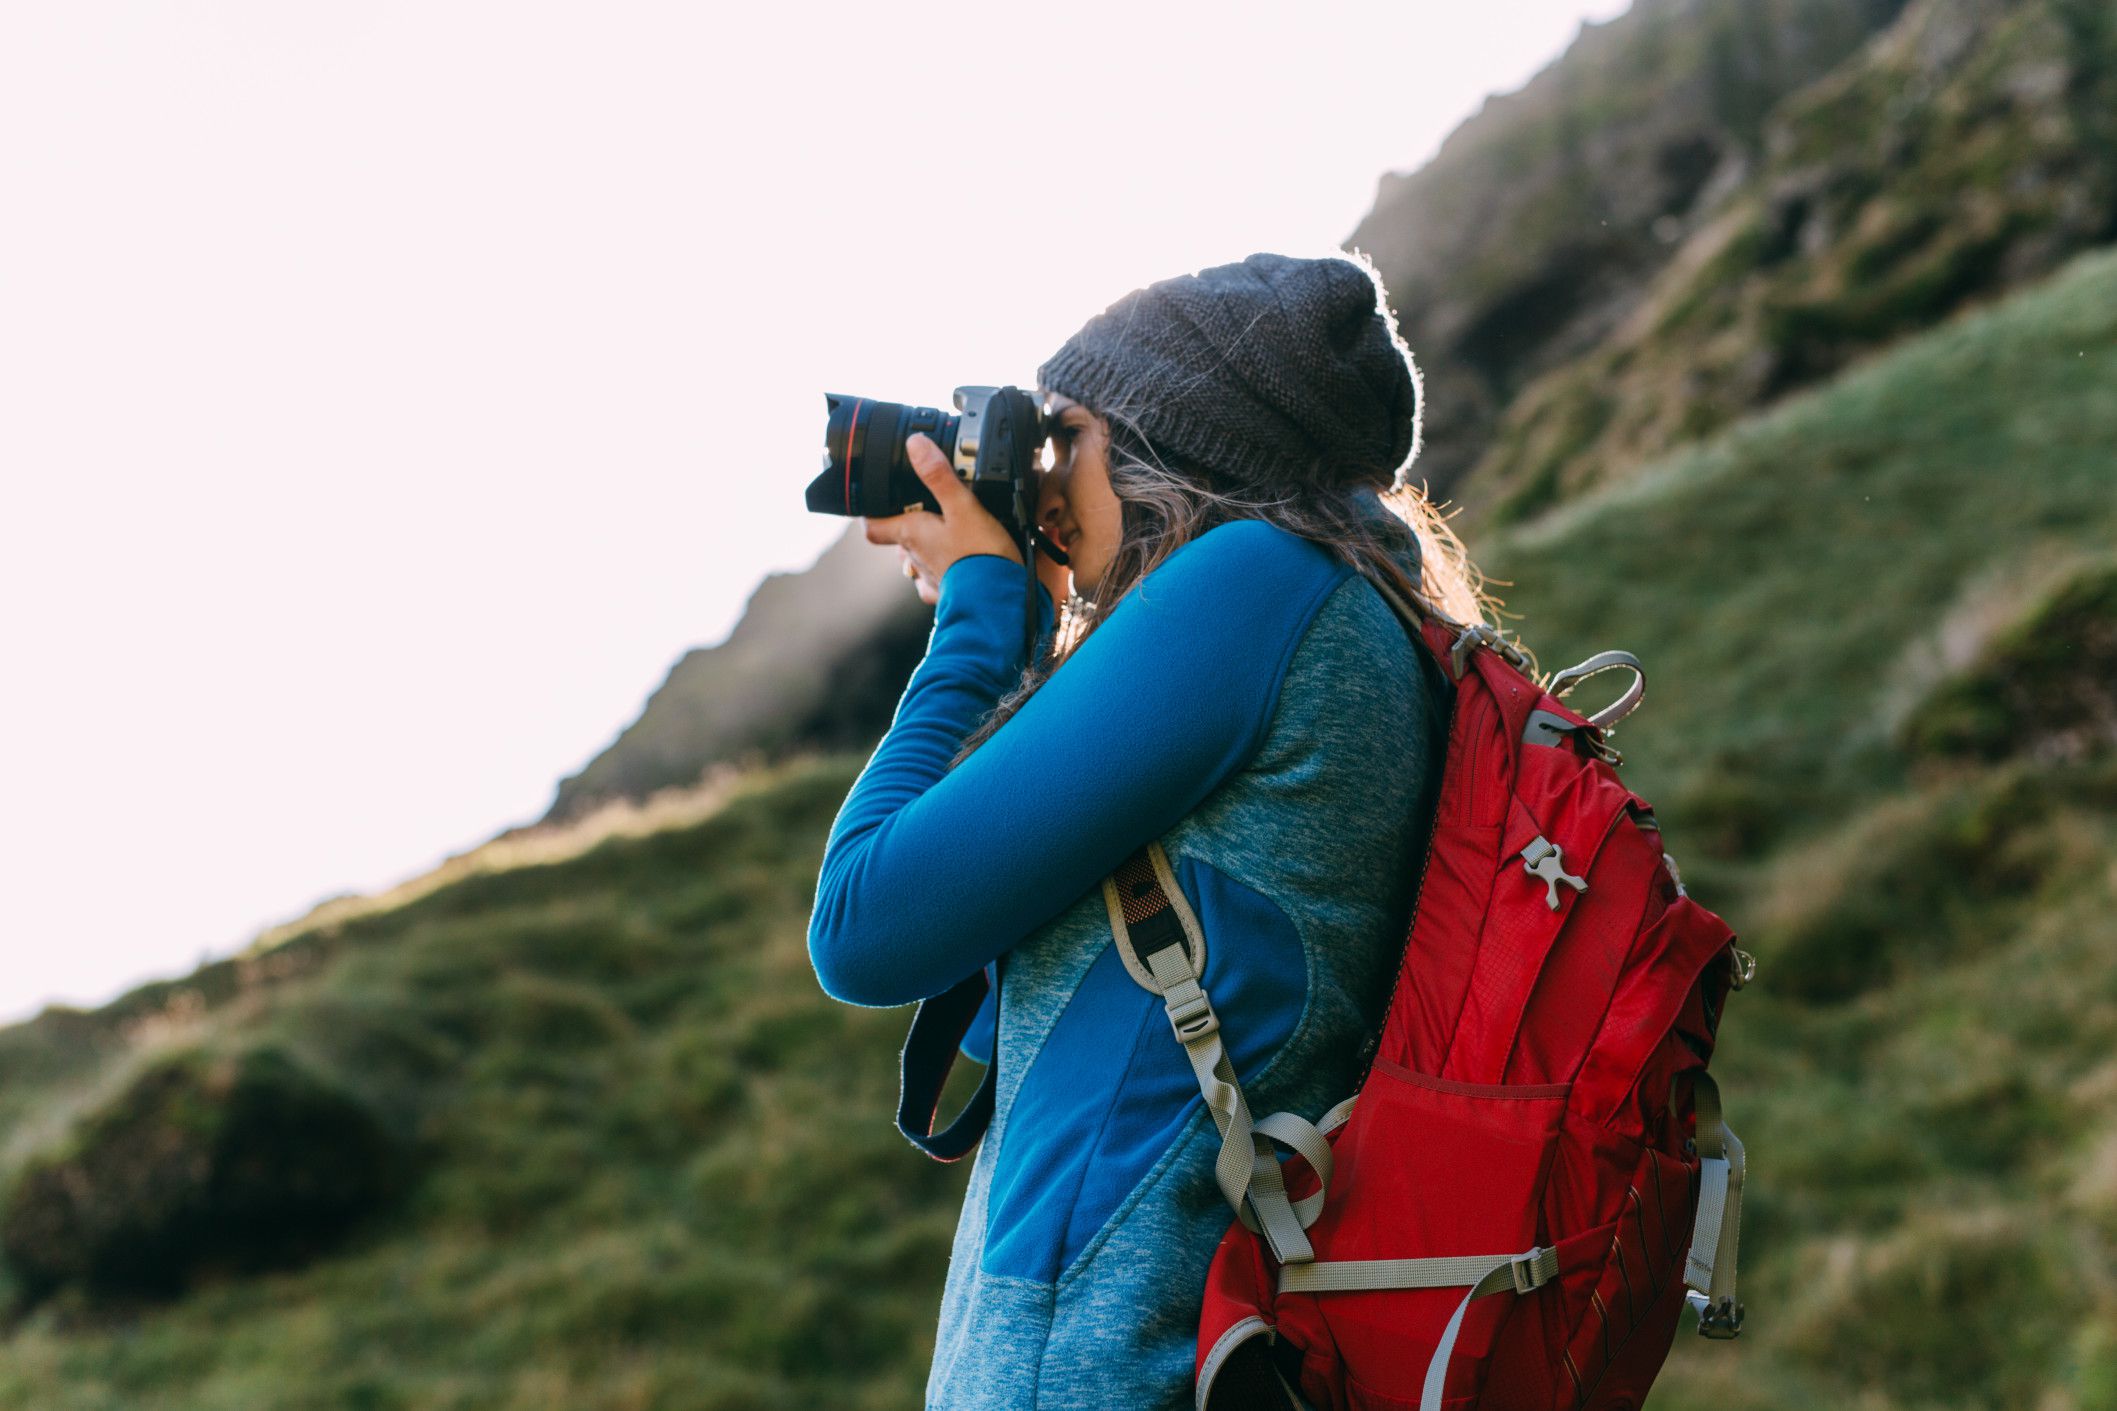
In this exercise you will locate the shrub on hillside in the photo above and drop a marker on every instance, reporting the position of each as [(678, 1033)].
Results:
[(1923, 881), (204, 1161), (2046, 687)]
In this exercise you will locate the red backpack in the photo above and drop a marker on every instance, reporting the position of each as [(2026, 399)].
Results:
[(1509, 1211)]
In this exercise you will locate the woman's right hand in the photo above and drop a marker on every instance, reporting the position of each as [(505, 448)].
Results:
[(928, 543)]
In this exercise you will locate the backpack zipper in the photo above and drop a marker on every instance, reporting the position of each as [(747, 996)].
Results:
[(1373, 1046)]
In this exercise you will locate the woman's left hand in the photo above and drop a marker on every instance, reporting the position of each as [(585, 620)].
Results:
[(928, 543)]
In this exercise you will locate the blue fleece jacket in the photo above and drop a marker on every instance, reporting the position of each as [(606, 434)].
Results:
[(1252, 703)]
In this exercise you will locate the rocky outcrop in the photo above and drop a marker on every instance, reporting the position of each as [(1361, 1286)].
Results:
[(1965, 152), (1701, 206), (1536, 230)]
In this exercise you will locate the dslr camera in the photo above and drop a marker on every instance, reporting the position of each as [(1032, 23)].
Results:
[(995, 441)]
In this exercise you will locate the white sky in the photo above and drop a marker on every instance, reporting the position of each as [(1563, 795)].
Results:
[(389, 392)]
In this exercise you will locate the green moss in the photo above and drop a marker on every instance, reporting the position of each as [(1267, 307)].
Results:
[(1924, 890), (1581, 415), (1897, 192)]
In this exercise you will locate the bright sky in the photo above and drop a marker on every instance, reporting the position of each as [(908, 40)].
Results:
[(390, 392)]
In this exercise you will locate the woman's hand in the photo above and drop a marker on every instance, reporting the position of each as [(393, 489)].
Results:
[(928, 543)]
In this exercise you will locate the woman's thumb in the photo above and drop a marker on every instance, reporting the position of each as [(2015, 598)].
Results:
[(933, 467)]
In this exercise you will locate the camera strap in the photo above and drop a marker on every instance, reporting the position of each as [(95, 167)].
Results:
[(931, 1048), (940, 1024), (1029, 552)]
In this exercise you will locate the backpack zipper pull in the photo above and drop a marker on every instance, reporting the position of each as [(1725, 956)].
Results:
[(1543, 859)]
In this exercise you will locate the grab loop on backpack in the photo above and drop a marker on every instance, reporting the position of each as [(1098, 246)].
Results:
[(1562, 682), (1744, 968)]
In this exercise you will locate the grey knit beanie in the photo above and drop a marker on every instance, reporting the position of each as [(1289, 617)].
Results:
[(1272, 370)]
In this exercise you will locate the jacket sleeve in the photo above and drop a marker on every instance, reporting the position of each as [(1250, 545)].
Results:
[(929, 873)]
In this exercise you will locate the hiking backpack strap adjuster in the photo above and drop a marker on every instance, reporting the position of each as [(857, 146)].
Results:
[(1709, 1269), (1164, 950)]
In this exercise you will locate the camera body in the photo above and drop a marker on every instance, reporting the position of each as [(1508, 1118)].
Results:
[(995, 442)]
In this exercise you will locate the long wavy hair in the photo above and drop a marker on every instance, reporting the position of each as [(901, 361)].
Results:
[(1167, 500)]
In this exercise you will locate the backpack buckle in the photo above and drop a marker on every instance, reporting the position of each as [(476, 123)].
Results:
[(1720, 1321), (1193, 1018), (1479, 634), (1743, 969), (1533, 1270)]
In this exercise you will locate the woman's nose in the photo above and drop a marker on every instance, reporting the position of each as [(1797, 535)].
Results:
[(1051, 497)]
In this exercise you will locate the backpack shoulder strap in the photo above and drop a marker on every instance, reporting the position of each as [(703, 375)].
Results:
[(1163, 948)]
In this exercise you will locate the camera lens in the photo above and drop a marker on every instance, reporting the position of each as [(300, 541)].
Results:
[(867, 468)]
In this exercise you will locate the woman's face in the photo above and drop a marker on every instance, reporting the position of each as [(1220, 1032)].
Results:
[(1075, 504)]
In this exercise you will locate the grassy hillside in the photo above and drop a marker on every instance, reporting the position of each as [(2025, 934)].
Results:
[(649, 1165), (642, 1163)]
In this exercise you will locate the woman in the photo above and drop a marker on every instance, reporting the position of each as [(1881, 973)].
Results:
[(1226, 474)]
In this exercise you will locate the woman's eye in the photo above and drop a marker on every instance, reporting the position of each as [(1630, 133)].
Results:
[(1059, 446)]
